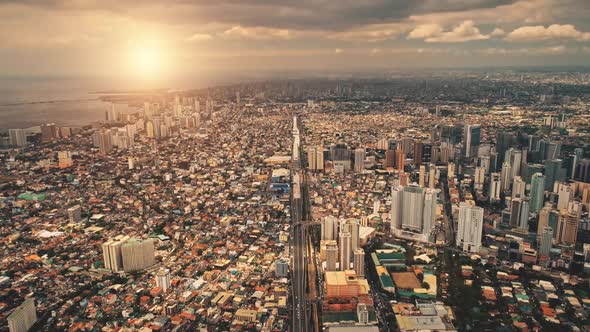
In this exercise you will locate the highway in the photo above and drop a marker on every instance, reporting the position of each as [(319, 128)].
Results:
[(299, 236)]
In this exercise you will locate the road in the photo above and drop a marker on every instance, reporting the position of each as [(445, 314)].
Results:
[(299, 236)]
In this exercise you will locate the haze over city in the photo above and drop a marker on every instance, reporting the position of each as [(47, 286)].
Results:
[(295, 165)]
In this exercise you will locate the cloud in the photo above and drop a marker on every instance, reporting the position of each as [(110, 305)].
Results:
[(551, 50), (257, 33), (200, 37), (498, 32), (433, 33), (371, 32), (554, 31)]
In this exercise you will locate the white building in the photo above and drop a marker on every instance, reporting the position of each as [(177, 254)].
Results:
[(111, 253), (470, 227), (138, 254), (163, 279), (23, 317), (345, 247), (17, 137)]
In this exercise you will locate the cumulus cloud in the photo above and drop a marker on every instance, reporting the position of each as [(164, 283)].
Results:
[(371, 33), (257, 33), (554, 31), (498, 32), (434, 33), (200, 37)]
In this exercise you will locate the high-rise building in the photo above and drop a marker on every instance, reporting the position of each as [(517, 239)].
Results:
[(514, 157), (429, 211), (359, 160), (554, 172), (163, 279), (518, 187), (479, 178), (422, 176), (431, 176), (400, 158), (345, 247), (396, 207), (418, 146), (515, 212), (564, 195), (390, 158), (75, 214), (331, 255), (506, 176), (546, 241), (472, 138), (17, 137), (23, 317), (567, 228), (413, 207), (111, 253), (495, 187), (48, 132), (359, 262), (64, 159), (282, 267), (105, 143), (523, 222), (537, 192), (329, 228), (137, 254), (470, 227)]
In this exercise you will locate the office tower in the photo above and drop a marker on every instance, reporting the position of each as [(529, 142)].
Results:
[(111, 114), (470, 227), (479, 178), (431, 176), (506, 176), (472, 137), (537, 192), (64, 159), (23, 317), (422, 176), (138, 254), (404, 178), (396, 207), (429, 211), (567, 228), (400, 158), (345, 247), (495, 187), (319, 159), (551, 150), (553, 172), (149, 129), (48, 132), (390, 158), (383, 144), (413, 207), (311, 159), (426, 153), (583, 172), (518, 187), (163, 279), (435, 154), (329, 228), (525, 208), (504, 141), (111, 253), (331, 255), (17, 137), (514, 157), (515, 212), (340, 155), (355, 233), (75, 214), (546, 241), (359, 262), (105, 143), (564, 195), (282, 267), (418, 146), (359, 160)]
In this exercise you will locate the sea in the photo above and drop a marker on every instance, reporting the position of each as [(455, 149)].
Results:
[(30, 102)]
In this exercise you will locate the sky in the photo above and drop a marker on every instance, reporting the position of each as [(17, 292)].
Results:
[(154, 40)]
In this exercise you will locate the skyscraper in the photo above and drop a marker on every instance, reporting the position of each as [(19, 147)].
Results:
[(413, 207), (331, 255), (345, 247), (111, 253), (546, 241), (518, 187), (359, 262), (523, 222), (17, 137), (396, 207), (23, 317), (470, 227), (537, 192), (329, 228), (553, 172), (567, 228), (359, 160), (137, 254), (506, 176), (495, 187), (472, 137)]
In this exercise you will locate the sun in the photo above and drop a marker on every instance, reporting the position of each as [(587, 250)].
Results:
[(147, 60)]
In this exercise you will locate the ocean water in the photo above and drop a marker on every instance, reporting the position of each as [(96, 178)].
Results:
[(29, 102)]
